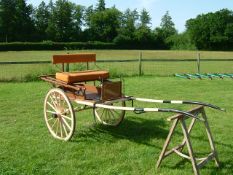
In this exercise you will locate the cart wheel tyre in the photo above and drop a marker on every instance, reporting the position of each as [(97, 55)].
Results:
[(110, 117), (59, 114)]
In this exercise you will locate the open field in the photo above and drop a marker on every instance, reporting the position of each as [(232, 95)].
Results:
[(28, 72), (26, 147), (114, 54)]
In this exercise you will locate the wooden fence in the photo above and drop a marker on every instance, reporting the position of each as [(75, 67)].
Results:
[(14, 70)]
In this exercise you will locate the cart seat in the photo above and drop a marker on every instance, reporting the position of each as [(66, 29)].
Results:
[(82, 76)]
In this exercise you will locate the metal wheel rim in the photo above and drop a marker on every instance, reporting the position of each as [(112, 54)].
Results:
[(59, 115), (110, 117)]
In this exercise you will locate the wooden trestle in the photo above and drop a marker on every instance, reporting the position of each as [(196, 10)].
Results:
[(197, 163)]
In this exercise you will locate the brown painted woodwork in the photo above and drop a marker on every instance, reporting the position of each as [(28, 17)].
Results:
[(111, 90), (81, 76), (74, 58)]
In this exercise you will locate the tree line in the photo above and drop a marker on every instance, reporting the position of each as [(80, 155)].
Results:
[(65, 21)]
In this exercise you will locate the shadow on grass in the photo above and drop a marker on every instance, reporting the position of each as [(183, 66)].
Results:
[(135, 129), (226, 167)]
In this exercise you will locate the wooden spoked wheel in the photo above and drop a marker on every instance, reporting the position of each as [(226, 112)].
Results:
[(59, 114), (110, 117)]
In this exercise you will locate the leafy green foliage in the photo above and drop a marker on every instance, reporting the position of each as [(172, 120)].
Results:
[(48, 45), (181, 42), (145, 19), (212, 31), (42, 20), (61, 21), (103, 25), (166, 30), (65, 21), (24, 22), (100, 5), (126, 33), (7, 14)]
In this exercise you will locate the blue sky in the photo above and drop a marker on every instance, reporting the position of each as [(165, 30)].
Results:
[(180, 10)]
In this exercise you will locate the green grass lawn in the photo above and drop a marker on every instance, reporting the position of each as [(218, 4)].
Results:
[(26, 147), (115, 54), (28, 72)]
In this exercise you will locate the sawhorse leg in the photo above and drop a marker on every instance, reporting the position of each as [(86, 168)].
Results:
[(186, 141)]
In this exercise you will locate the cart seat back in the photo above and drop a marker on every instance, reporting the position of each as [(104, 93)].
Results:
[(80, 76), (74, 58)]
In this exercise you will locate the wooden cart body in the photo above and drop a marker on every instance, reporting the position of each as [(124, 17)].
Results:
[(104, 97)]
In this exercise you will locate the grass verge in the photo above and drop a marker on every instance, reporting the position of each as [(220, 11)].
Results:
[(132, 148)]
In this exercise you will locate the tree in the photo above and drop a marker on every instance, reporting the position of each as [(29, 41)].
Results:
[(78, 20), (143, 34), (25, 25), (126, 32), (166, 30), (181, 41), (102, 25), (167, 26), (51, 29), (229, 31), (42, 16), (212, 31), (100, 5), (8, 20), (60, 25), (145, 19)]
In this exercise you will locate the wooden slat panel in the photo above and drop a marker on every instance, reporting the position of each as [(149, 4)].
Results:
[(74, 58), (111, 90)]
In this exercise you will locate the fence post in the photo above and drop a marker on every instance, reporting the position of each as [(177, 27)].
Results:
[(199, 63), (140, 64)]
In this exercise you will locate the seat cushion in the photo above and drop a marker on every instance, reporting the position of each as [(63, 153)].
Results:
[(89, 75)]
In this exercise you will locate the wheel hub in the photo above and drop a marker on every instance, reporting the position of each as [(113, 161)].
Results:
[(54, 115)]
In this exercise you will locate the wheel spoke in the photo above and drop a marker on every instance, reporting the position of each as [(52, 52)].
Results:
[(61, 129), (66, 117), (52, 112), (100, 118), (64, 129), (102, 113), (52, 101), (64, 102), (67, 124), (51, 106), (59, 99), (50, 119), (107, 116), (98, 109), (54, 123), (66, 111), (113, 117), (57, 126), (117, 113), (112, 114), (55, 98)]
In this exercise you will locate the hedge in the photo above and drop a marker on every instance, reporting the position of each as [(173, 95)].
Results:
[(49, 45), (20, 46)]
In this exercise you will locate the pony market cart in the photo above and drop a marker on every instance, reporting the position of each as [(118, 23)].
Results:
[(92, 89)]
